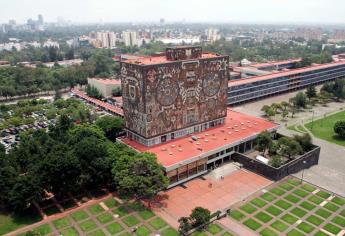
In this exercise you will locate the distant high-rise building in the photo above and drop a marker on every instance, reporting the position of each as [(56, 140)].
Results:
[(162, 21), (40, 19), (212, 34), (107, 39), (130, 38)]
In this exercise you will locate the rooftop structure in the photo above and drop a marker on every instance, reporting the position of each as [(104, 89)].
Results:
[(238, 127)]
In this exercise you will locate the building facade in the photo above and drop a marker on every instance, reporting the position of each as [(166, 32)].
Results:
[(173, 95), (253, 88), (104, 86), (130, 38)]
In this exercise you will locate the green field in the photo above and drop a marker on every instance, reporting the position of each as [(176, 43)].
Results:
[(323, 128), (10, 222), (297, 211)]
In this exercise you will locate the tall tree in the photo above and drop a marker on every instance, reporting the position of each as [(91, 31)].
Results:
[(139, 175), (111, 125), (263, 141)]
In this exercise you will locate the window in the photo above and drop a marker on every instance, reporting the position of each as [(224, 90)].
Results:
[(182, 173), (192, 168)]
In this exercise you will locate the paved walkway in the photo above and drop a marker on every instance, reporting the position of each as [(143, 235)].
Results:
[(211, 193)]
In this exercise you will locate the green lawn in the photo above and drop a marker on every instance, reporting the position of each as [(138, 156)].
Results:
[(339, 221), (143, 231), (87, 225), (323, 128), (263, 217), (332, 207), (248, 208), (323, 194), (258, 202), (282, 204), (268, 197), (10, 222), (61, 223), (105, 218), (79, 215), (339, 201), (277, 191), (169, 232), (96, 209), (146, 214), (114, 228), (323, 213), (131, 221), (286, 186), (157, 223), (97, 232), (274, 210), (237, 215), (121, 211), (308, 187), (43, 229), (268, 232), (214, 229), (110, 202), (305, 227), (70, 232), (292, 198), (280, 226), (295, 233), (252, 224), (289, 219), (300, 192), (298, 212), (277, 211), (332, 228), (315, 220), (315, 199), (308, 206)]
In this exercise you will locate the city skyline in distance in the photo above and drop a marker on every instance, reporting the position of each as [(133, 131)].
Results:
[(217, 11)]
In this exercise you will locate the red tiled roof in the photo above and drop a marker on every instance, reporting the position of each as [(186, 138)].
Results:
[(98, 102), (237, 127), (284, 73)]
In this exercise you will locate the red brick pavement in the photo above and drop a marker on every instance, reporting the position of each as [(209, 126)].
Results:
[(179, 201)]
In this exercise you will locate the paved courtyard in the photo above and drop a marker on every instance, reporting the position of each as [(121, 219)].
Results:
[(210, 192)]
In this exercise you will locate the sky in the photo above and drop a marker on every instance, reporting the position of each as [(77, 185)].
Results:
[(228, 11)]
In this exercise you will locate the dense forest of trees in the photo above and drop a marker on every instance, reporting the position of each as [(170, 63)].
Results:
[(70, 157), (21, 80)]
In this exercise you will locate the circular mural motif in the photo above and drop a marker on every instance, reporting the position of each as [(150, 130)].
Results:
[(167, 91), (211, 84)]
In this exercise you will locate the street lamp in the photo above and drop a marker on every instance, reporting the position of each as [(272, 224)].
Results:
[(304, 162)]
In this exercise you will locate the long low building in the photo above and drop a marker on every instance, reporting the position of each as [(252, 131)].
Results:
[(253, 88), (193, 155)]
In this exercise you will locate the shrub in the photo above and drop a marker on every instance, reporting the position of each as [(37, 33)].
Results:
[(339, 128)]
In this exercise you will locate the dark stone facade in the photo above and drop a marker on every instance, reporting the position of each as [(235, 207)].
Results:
[(305, 161)]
